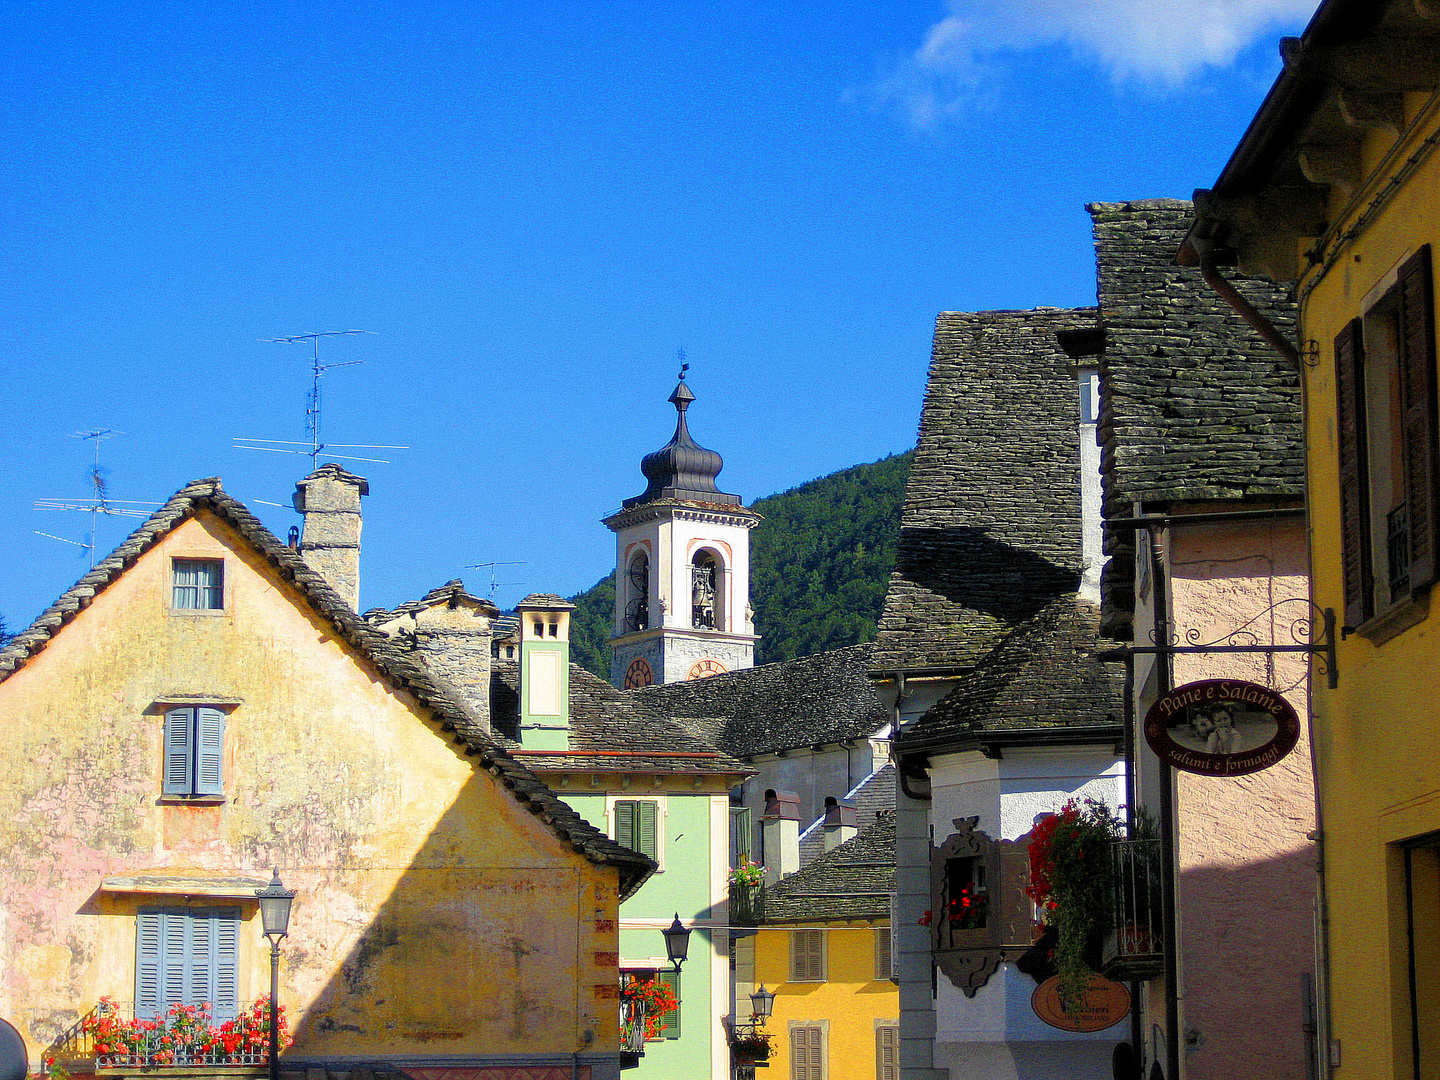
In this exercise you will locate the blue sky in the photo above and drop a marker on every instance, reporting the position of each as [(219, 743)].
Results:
[(533, 207)]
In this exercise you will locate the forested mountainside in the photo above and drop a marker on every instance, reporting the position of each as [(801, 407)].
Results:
[(820, 562)]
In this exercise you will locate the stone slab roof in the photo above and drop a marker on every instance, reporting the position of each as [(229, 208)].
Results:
[(990, 528), (452, 592), (1042, 677), (610, 731), (810, 701), (400, 669), (852, 882), (1194, 405), (872, 797)]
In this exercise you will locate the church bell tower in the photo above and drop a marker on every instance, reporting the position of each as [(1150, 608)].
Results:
[(682, 568)]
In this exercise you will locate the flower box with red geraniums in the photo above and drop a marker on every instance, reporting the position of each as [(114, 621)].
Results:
[(656, 997), (186, 1035)]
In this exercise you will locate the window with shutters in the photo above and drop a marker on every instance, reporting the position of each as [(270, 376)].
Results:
[(741, 836), (807, 955), (884, 965), (807, 1052), (194, 753), (187, 956), (197, 585), (1387, 421), (636, 824), (887, 1051)]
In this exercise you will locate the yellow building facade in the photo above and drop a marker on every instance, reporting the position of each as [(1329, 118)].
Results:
[(202, 708), (1336, 187), (823, 947)]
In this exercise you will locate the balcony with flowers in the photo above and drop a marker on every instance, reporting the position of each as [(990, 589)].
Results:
[(747, 893), (1096, 884), (111, 1040)]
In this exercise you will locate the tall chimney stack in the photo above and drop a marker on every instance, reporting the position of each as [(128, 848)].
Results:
[(329, 499)]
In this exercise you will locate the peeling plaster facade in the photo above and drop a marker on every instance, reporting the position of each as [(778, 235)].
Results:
[(438, 922)]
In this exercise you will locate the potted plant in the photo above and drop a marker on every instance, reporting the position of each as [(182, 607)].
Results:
[(747, 875), (1071, 884), (750, 1046)]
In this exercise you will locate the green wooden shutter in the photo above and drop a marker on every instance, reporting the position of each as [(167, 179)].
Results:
[(179, 757), (741, 839), (1354, 472), (1416, 341), (209, 752), (625, 823), (647, 836), (670, 1029), (147, 965)]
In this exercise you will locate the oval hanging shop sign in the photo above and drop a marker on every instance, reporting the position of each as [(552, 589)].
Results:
[(1222, 727), (1106, 1004)]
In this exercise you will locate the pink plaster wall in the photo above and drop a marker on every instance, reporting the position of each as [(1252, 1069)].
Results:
[(1247, 869)]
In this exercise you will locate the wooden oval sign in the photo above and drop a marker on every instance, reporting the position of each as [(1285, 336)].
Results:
[(1222, 727), (1106, 1004)]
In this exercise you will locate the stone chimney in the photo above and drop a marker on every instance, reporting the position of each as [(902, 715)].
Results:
[(329, 499), (544, 671), (839, 823), (780, 833), (450, 630)]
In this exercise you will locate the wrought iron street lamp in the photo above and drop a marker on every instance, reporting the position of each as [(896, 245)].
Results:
[(762, 1001), (275, 902), (677, 942)]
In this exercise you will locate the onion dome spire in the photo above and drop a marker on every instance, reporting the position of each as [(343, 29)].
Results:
[(682, 468)]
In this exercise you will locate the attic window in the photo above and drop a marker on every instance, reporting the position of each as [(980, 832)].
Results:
[(539, 628), (555, 629), (198, 585)]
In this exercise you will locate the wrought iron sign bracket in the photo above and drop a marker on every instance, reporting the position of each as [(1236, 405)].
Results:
[(1246, 640)]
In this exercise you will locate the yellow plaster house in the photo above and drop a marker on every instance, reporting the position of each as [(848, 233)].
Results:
[(1335, 188), (823, 948), (203, 707)]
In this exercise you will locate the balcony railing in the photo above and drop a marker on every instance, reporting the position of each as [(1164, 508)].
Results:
[(107, 1039), (632, 1027), (1134, 937), (747, 904)]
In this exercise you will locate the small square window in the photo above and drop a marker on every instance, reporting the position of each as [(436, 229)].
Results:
[(199, 585)]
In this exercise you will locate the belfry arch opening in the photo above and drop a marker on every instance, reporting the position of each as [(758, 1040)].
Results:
[(707, 591), (637, 586)]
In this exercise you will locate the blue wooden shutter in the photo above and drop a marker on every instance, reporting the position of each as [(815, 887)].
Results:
[(174, 958), (179, 752), (646, 829), (225, 989), (199, 958), (625, 822), (670, 1028), (209, 752), (147, 964)]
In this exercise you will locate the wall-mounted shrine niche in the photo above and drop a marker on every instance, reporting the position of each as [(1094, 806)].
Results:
[(979, 914)]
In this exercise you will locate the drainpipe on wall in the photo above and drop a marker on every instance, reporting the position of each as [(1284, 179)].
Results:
[(1170, 891), (1261, 325)]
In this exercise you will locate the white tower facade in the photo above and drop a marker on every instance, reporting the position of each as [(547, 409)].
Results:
[(682, 569)]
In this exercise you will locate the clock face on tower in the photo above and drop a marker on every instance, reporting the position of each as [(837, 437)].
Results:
[(701, 668), (638, 674)]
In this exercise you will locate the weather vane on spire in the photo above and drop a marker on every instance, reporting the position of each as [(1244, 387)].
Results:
[(684, 367)]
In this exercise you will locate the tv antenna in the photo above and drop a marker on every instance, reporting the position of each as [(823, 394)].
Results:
[(98, 503), (312, 409), (494, 584)]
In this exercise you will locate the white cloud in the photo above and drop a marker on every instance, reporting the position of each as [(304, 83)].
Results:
[(1158, 42)]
